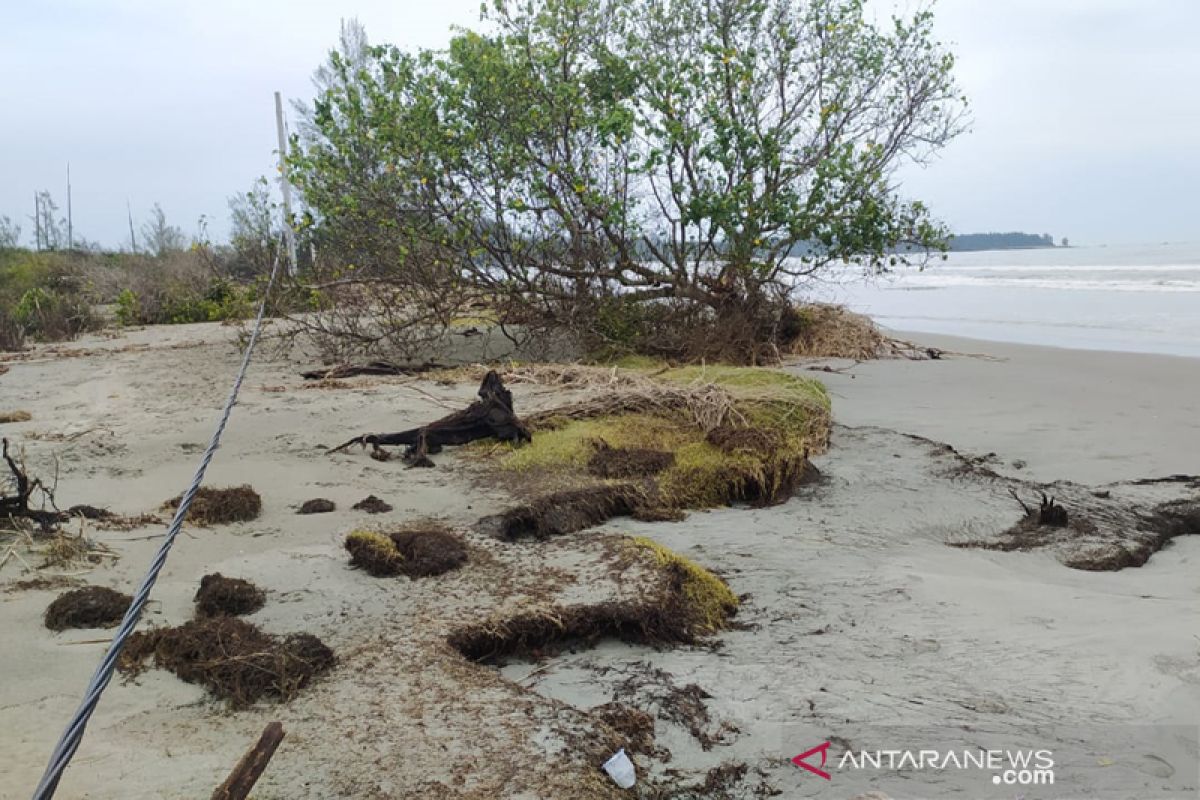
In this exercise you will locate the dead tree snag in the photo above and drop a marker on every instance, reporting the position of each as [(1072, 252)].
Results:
[(491, 416)]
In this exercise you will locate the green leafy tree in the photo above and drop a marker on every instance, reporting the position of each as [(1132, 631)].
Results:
[(613, 166)]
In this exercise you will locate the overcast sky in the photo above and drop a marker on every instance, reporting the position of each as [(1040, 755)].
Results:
[(1086, 113)]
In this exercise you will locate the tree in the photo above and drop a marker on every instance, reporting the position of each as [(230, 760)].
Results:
[(49, 228), (255, 230), (608, 166), (160, 238), (10, 233)]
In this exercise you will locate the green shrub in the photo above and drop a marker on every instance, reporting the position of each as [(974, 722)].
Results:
[(52, 316)]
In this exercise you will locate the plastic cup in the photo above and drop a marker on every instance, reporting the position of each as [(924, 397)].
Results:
[(620, 769)]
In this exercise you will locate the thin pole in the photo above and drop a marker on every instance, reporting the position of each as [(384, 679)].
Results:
[(132, 237), (285, 186), (37, 222), (70, 237)]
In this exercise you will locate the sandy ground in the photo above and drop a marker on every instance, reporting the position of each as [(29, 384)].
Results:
[(860, 624)]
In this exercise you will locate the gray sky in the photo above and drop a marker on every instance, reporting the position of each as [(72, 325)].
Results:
[(1086, 117)]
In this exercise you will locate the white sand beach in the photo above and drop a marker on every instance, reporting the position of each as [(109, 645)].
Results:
[(856, 614)]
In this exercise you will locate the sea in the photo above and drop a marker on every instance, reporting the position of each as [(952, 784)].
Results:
[(1132, 298)]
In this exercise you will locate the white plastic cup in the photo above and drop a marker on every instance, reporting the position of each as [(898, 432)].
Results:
[(620, 769)]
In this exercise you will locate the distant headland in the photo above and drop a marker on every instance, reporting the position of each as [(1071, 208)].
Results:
[(1003, 241)]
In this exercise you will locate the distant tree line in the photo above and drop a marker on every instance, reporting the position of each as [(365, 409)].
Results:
[(1001, 241)]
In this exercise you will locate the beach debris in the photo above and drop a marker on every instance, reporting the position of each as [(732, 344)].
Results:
[(318, 505), (251, 765), (232, 658), (372, 505), (88, 607), (621, 770), (370, 368), (15, 506), (419, 550), (491, 416), (684, 706), (14, 416), (635, 726), (1048, 513), (220, 506), (221, 596), (684, 604)]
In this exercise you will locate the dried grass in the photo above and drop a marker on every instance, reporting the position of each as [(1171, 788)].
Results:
[(220, 506), (829, 331), (14, 416), (232, 658)]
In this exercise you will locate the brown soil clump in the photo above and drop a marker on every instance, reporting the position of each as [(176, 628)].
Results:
[(374, 553), (232, 658), (566, 512), (220, 596), (221, 506), (418, 551), (627, 462), (318, 505), (372, 505), (429, 551), (89, 607)]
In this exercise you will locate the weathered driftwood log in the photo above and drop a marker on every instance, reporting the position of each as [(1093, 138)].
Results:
[(491, 416), (250, 768), (370, 368)]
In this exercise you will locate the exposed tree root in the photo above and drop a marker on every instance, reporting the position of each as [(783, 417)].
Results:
[(491, 416)]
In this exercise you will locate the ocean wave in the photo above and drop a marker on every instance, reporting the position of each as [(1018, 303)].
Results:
[(946, 280)]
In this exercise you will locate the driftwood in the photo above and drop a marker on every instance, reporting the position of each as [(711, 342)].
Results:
[(370, 368), (491, 416), (17, 505), (250, 768)]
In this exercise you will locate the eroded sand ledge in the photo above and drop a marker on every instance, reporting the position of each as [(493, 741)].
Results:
[(858, 615)]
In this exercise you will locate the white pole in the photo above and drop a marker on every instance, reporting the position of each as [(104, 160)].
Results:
[(286, 187), (70, 232)]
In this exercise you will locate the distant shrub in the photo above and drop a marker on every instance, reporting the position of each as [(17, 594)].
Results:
[(52, 316)]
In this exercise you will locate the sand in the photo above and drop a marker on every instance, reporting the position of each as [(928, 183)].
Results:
[(857, 615)]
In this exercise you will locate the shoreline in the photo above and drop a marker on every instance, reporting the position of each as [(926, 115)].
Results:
[(1084, 415)]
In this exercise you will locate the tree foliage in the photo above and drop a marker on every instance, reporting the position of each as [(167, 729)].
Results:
[(624, 166)]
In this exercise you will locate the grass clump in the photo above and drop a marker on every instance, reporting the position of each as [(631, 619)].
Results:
[(420, 550), (375, 553), (684, 604), (707, 601), (220, 596), (220, 506), (689, 416), (89, 607)]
